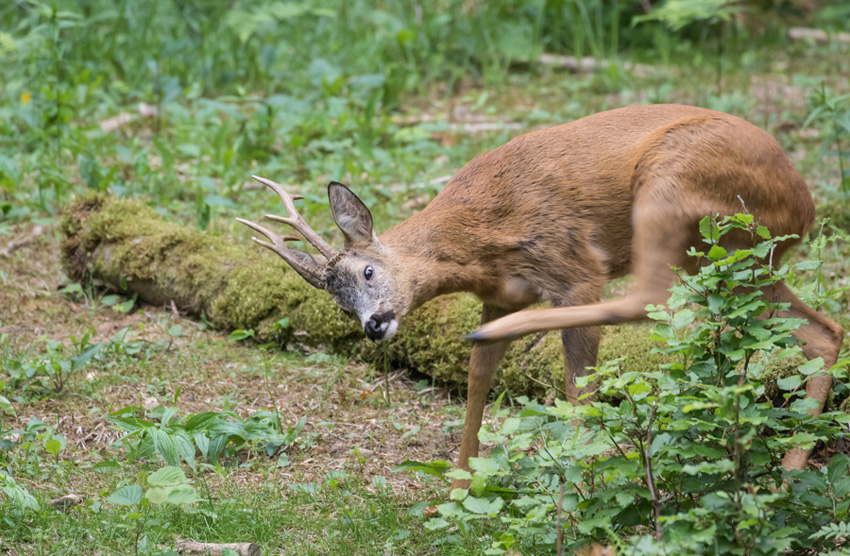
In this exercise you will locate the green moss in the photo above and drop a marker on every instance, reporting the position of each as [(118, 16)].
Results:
[(777, 369), (432, 338), (534, 365)]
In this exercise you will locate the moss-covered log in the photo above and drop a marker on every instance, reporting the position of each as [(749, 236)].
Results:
[(124, 242)]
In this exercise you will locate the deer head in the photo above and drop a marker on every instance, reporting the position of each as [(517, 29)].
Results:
[(361, 277)]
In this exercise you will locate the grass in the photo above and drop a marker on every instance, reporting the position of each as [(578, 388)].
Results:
[(388, 99)]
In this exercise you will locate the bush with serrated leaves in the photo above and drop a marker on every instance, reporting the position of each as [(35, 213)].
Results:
[(683, 460)]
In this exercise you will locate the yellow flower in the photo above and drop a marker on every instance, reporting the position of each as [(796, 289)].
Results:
[(26, 97)]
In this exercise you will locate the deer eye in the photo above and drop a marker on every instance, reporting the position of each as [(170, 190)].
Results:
[(368, 272)]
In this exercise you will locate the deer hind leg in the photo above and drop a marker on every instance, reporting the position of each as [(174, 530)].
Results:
[(580, 345), (483, 364), (822, 338)]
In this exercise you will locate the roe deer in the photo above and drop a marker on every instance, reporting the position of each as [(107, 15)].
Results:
[(553, 214)]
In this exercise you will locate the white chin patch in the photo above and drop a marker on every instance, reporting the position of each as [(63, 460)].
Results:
[(391, 329)]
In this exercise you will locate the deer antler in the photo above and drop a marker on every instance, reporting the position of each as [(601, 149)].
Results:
[(303, 263)]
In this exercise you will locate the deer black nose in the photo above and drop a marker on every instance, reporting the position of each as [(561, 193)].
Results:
[(378, 324), (375, 328)]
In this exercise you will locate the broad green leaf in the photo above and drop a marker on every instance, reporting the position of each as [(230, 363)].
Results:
[(129, 495), (716, 252), (638, 388), (682, 319), (167, 476), (53, 447), (157, 495), (458, 494), (510, 425), (450, 509), (715, 303), (238, 335), (201, 421), (812, 366), (789, 382), (483, 506), (624, 497), (215, 447), (202, 441), (184, 446), (461, 474), (108, 466), (478, 485), (6, 406), (486, 466), (165, 446), (183, 494), (85, 356), (436, 468), (838, 468), (110, 300), (436, 523)]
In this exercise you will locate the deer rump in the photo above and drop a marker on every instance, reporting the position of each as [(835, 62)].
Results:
[(551, 216)]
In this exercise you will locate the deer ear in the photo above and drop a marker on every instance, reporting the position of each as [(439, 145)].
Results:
[(350, 214)]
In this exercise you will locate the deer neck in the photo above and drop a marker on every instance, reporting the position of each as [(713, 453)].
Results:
[(437, 256)]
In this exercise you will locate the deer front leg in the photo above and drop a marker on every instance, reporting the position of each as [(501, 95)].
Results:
[(483, 364)]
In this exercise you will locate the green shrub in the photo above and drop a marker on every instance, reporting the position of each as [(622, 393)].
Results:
[(682, 460)]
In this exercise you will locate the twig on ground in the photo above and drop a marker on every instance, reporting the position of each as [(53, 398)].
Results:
[(66, 502), (817, 35), (589, 64), (17, 243), (116, 122), (216, 549)]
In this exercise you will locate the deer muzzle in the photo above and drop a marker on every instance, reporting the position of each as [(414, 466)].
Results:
[(381, 326)]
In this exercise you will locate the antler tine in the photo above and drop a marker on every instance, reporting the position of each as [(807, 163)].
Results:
[(295, 220), (301, 262)]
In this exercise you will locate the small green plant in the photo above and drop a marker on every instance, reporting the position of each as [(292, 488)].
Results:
[(5, 406), (59, 364), (708, 14), (167, 486), (212, 434), (834, 111), (20, 498), (683, 460)]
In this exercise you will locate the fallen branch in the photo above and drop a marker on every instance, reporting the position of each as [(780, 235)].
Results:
[(589, 64), (66, 502), (216, 549), (116, 122), (817, 35), (17, 243)]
